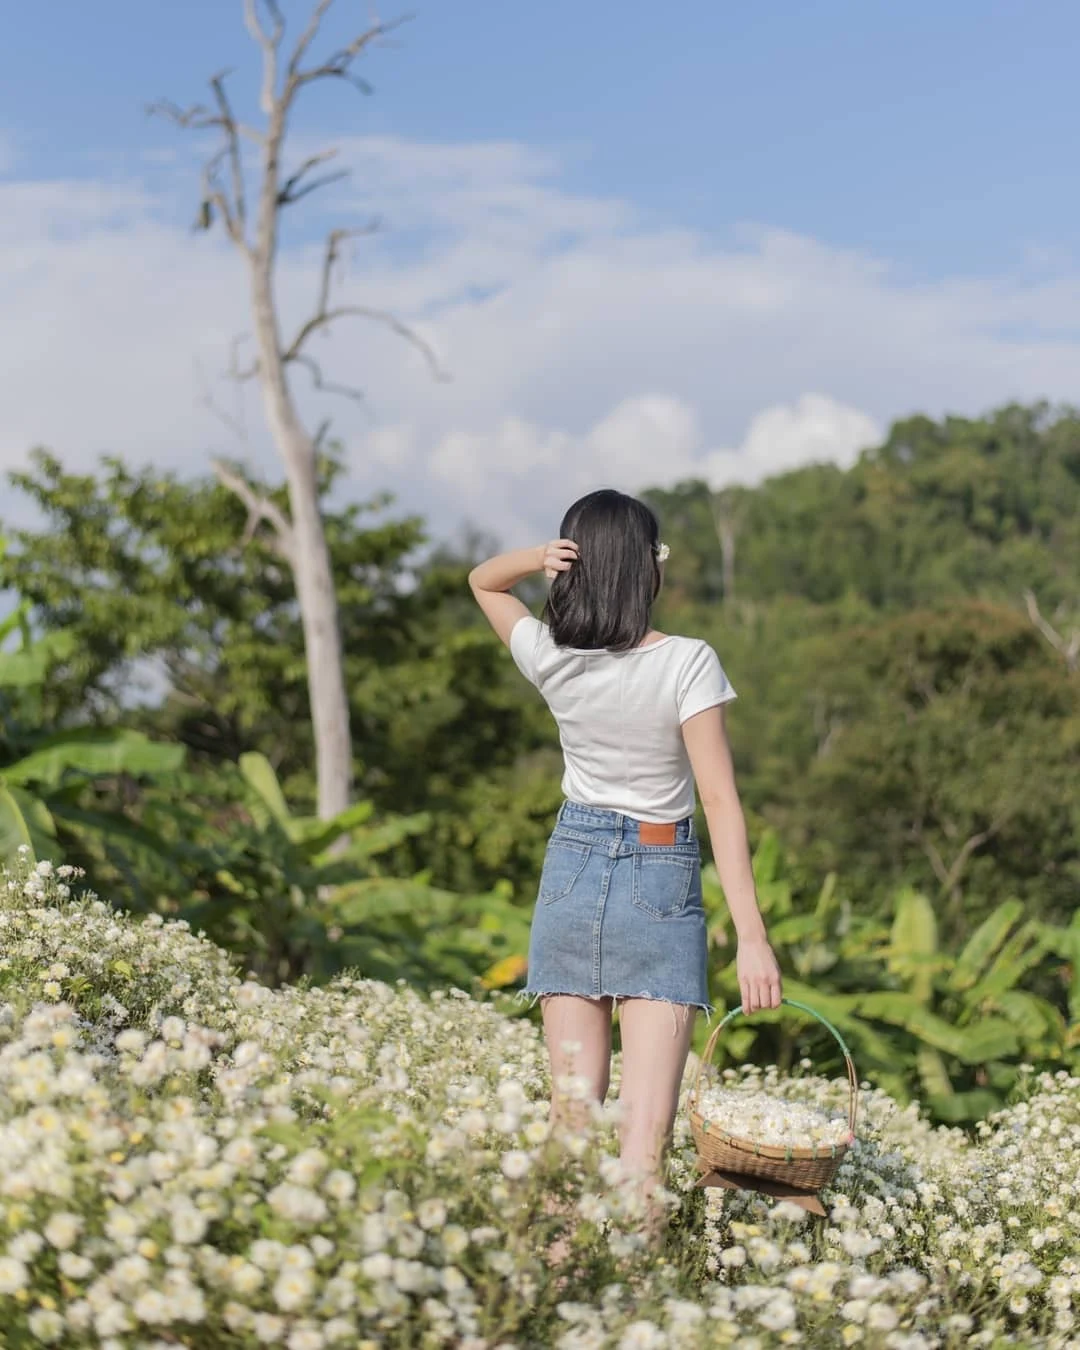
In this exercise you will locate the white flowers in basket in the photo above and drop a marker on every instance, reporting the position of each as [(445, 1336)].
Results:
[(774, 1121)]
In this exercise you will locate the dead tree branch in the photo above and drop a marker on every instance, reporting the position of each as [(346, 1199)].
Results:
[(1067, 647), (291, 191), (260, 508), (200, 118), (307, 37), (269, 39), (232, 150), (339, 64), (234, 424), (325, 386), (230, 203), (236, 372), (324, 315)]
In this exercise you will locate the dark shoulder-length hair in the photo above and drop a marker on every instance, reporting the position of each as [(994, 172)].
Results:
[(604, 600)]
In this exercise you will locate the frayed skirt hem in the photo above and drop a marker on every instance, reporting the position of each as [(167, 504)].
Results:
[(530, 996)]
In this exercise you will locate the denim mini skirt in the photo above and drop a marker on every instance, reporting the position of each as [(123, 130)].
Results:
[(616, 917)]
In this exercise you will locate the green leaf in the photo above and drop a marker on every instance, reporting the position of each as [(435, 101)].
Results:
[(983, 943), (29, 668), (25, 819), (96, 752), (913, 949), (933, 1074), (960, 1107), (796, 928), (15, 621), (1033, 1017), (990, 1038), (384, 898), (767, 858), (315, 835), (1023, 951), (114, 827), (381, 838), (14, 829), (259, 774)]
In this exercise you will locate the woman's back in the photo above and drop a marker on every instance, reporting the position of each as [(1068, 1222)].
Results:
[(620, 716)]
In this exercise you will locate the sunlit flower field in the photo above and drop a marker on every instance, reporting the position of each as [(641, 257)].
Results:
[(192, 1159)]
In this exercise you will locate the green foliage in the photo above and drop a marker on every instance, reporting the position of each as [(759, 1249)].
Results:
[(905, 731), (949, 1029), (46, 779)]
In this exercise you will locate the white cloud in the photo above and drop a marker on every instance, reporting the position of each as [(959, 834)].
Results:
[(586, 346), (528, 474), (813, 430)]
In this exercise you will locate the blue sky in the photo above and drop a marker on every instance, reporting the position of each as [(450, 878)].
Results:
[(880, 199), (944, 133)]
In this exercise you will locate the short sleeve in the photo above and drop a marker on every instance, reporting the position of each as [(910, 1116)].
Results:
[(702, 683), (526, 638)]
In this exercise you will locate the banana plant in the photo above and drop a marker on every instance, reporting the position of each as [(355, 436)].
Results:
[(951, 1029), (302, 897), (47, 779), (827, 954), (973, 1020)]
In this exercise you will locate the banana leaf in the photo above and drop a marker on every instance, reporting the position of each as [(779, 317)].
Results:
[(1023, 952), (913, 950), (259, 774), (990, 1038), (94, 751), (983, 943)]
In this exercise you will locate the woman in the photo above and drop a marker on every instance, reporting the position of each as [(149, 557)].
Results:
[(619, 915)]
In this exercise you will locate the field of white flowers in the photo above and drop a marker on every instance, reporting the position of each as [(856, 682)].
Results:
[(191, 1159)]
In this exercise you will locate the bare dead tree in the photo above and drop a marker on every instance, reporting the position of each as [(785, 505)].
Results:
[(252, 224), (728, 508), (1068, 647)]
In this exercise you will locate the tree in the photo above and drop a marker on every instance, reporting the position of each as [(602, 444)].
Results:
[(298, 536), (145, 571), (956, 745)]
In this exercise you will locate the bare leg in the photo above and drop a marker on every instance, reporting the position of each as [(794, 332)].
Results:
[(655, 1043), (585, 1022), (570, 1019)]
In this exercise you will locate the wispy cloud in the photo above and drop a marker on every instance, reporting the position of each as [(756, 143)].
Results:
[(585, 344)]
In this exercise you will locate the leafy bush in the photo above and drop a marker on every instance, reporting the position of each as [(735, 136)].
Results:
[(195, 1159), (950, 1027)]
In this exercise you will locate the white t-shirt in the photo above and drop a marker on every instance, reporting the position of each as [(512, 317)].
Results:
[(620, 716)]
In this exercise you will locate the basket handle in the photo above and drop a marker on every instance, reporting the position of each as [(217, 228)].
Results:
[(853, 1082)]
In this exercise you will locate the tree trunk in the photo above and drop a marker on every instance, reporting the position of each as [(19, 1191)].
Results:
[(311, 565), (726, 518), (726, 531)]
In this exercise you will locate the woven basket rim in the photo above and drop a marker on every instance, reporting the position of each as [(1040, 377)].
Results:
[(700, 1124)]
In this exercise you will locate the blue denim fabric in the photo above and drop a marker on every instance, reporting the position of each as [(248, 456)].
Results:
[(615, 917)]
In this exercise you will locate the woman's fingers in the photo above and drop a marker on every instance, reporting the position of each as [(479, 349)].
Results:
[(762, 991), (559, 556)]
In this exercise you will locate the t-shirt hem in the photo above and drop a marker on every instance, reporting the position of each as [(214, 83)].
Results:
[(648, 817)]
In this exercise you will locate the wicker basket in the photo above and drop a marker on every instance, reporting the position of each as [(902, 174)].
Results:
[(807, 1169)]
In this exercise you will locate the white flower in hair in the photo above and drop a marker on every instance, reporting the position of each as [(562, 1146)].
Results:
[(662, 553)]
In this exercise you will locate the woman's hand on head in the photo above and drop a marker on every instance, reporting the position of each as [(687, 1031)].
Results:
[(760, 982), (559, 556)]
